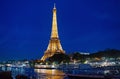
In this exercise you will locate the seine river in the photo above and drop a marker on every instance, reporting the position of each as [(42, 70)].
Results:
[(58, 74), (49, 74), (36, 73)]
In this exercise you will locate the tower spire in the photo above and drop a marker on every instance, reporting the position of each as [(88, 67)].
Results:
[(54, 33)]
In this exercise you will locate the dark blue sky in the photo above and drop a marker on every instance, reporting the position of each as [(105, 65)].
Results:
[(84, 25)]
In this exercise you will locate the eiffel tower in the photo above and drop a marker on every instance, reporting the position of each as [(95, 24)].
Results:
[(54, 45)]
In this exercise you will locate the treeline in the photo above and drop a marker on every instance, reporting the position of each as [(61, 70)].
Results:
[(114, 53), (77, 56)]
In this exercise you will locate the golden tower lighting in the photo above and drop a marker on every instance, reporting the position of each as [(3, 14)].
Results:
[(54, 45)]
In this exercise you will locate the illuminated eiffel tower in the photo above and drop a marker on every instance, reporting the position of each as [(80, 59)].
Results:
[(54, 45)]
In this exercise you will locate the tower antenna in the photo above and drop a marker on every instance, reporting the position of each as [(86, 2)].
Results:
[(54, 6)]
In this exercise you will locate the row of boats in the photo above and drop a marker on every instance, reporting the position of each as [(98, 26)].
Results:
[(85, 71)]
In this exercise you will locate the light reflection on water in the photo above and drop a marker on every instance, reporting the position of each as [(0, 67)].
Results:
[(49, 74), (38, 73)]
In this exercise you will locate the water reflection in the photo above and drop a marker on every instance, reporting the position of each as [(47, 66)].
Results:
[(49, 74), (38, 73)]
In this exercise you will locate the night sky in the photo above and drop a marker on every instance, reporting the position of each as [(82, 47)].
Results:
[(83, 25)]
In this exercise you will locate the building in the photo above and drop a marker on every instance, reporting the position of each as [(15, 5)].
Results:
[(54, 45)]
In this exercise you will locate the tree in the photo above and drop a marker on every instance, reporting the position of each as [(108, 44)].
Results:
[(77, 56), (59, 57), (107, 53)]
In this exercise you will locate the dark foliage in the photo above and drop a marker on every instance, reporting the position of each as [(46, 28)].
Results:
[(80, 57), (107, 53), (59, 57), (77, 56)]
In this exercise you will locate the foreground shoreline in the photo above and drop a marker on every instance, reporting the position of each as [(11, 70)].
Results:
[(8, 75)]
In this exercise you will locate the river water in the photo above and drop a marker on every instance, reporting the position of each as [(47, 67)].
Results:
[(33, 73), (49, 74), (36, 73)]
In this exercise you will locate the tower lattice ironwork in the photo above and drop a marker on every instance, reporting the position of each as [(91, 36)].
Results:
[(54, 45)]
